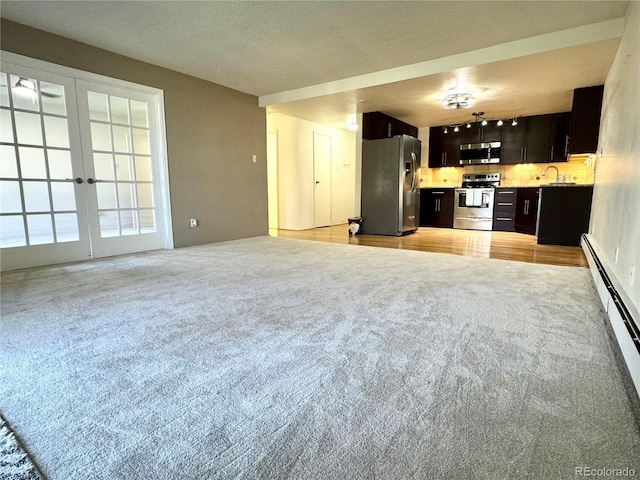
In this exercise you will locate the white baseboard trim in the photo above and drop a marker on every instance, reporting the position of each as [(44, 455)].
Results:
[(623, 316)]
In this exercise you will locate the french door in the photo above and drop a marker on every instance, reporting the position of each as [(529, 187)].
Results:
[(80, 169)]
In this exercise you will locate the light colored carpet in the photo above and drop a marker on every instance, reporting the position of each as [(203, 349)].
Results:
[(274, 358)]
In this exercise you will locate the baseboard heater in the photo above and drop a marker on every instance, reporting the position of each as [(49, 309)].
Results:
[(623, 318)]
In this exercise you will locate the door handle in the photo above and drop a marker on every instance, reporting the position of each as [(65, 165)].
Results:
[(91, 181), (77, 180)]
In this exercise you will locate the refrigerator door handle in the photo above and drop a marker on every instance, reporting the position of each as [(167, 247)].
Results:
[(413, 170)]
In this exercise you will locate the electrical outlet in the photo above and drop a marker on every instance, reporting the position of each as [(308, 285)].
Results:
[(632, 274), (255, 159), (193, 223), (615, 255)]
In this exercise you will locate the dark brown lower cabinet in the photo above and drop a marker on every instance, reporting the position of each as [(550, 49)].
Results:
[(564, 214), (527, 210), (504, 210), (436, 207)]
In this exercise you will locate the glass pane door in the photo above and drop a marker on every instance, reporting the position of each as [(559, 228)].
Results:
[(120, 148), (42, 213), (82, 173)]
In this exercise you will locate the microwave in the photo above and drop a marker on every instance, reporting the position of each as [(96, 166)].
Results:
[(480, 153)]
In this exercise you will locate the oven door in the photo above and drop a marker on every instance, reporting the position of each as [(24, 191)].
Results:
[(473, 208)]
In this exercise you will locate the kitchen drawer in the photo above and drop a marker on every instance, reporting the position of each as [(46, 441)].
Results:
[(506, 195), (504, 223), (504, 211), (504, 205)]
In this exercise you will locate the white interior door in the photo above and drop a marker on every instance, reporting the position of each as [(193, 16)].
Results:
[(82, 168), (120, 156), (322, 180), (43, 218)]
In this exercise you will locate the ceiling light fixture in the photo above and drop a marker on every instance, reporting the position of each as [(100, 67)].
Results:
[(455, 101), (351, 126), (479, 118)]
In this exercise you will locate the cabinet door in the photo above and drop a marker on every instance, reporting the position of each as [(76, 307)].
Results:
[(564, 214), (491, 133), (538, 147), (436, 207), (436, 147), (513, 142), (430, 201), (560, 136), (398, 127), (444, 148), (585, 119), (527, 210), (451, 150), (445, 219), (376, 125), (471, 134)]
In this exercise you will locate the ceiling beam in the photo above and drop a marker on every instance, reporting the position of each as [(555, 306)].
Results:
[(518, 48)]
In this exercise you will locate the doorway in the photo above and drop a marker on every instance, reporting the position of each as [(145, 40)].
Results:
[(82, 167), (272, 179)]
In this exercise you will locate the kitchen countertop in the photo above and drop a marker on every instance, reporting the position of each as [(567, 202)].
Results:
[(565, 185)]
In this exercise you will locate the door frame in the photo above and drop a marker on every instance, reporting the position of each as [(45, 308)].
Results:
[(273, 198), (10, 58)]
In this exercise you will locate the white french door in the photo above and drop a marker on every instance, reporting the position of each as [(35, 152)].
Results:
[(119, 152), (80, 169)]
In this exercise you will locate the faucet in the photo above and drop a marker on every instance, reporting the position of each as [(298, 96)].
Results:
[(551, 166)]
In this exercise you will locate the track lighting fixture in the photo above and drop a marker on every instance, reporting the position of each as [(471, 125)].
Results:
[(478, 117)]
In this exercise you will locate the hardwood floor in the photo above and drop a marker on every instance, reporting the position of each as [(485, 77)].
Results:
[(473, 243)]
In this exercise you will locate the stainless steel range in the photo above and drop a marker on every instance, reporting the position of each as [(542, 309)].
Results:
[(473, 208)]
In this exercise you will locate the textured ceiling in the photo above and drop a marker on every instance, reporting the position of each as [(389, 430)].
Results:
[(264, 48)]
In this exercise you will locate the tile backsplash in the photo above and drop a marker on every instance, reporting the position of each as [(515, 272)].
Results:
[(579, 168)]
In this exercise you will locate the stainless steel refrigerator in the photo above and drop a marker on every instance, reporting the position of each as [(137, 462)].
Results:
[(390, 202)]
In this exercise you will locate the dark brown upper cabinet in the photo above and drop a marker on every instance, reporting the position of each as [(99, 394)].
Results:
[(585, 119), (377, 125), (560, 136), (537, 148), (477, 133), (513, 142), (444, 148), (536, 139)]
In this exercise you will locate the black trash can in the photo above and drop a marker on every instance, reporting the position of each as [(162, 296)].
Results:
[(355, 225)]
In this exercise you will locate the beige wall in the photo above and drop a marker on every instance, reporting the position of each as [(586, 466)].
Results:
[(295, 171), (212, 133), (615, 216)]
